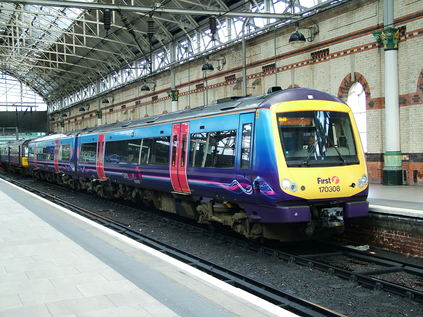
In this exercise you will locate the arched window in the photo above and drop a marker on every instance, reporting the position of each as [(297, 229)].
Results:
[(357, 102)]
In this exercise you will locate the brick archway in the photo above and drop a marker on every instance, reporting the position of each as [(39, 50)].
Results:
[(419, 91), (348, 81)]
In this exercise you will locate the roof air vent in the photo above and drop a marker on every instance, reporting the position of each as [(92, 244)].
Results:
[(274, 89)]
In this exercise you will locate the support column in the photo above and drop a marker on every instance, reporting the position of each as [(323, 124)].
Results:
[(392, 170), (389, 37), (173, 93)]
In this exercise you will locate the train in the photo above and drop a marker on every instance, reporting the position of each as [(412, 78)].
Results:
[(286, 165), (14, 155)]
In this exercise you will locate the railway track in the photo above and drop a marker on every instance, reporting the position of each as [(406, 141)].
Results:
[(267, 292), (361, 267)]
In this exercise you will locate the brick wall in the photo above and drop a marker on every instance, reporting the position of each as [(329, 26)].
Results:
[(391, 233)]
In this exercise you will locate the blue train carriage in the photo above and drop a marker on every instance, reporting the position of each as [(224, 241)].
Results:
[(50, 157), (110, 159), (286, 165)]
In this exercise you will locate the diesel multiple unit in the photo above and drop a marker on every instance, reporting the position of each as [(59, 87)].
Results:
[(286, 165)]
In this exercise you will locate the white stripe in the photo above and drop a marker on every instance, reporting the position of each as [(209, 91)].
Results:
[(397, 211)]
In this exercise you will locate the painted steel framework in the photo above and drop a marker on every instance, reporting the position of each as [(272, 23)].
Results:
[(62, 50)]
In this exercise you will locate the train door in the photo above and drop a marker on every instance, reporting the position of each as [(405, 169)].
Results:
[(56, 156), (178, 158), (99, 163), (245, 139), (35, 159)]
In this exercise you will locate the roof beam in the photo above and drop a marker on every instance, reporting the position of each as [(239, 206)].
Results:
[(101, 6)]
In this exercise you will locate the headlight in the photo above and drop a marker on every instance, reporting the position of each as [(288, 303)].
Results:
[(363, 181), (288, 185)]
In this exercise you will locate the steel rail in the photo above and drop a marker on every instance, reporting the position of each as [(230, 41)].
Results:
[(362, 277), (263, 290)]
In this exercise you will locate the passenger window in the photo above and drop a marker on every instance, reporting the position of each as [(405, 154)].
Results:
[(155, 151), (88, 152), (246, 146), (213, 149), (45, 153), (126, 152), (64, 152), (40, 154)]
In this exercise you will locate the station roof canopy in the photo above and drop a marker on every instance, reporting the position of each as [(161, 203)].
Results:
[(61, 47)]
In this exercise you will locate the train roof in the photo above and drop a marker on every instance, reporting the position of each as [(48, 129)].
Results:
[(225, 105), (16, 142)]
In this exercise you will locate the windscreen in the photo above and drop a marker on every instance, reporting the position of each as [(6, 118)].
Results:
[(316, 138)]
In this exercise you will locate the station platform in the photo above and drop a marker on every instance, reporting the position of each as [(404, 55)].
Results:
[(56, 263), (396, 200)]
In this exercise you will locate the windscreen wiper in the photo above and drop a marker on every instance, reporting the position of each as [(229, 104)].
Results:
[(311, 150), (344, 161)]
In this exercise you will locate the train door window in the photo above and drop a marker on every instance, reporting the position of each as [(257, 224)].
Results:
[(213, 149), (64, 152), (174, 149), (126, 151), (155, 151), (246, 146), (88, 152), (183, 150)]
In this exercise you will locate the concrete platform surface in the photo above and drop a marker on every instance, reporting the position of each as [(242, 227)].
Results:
[(55, 263), (396, 200)]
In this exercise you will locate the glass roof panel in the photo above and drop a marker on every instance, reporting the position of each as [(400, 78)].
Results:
[(34, 49)]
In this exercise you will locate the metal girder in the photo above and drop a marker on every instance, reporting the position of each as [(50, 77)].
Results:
[(21, 61), (157, 9), (66, 53)]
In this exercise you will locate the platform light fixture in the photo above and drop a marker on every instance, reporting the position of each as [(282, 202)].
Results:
[(147, 84), (105, 100), (297, 39), (207, 66), (84, 107), (145, 87)]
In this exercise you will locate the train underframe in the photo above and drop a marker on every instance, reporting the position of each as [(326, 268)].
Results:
[(325, 220)]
